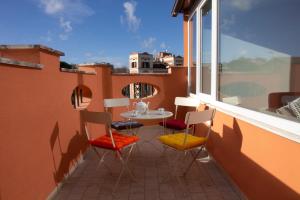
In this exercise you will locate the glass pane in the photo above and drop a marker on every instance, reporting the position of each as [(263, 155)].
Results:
[(193, 59), (206, 48), (260, 55)]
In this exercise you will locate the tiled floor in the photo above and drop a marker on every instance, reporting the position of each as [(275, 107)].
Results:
[(204, 181)]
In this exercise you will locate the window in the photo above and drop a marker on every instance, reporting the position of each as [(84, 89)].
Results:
[(248, 61), (260, 56), (133, 65), (193, 54), (205, 61), (145, 65), (201, 20)]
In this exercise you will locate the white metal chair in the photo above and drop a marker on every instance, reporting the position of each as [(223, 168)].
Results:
[(187, 142), (109, 142), (121, 125), (179, 124)]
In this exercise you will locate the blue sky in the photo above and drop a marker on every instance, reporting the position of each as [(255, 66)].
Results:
[(93, 30)]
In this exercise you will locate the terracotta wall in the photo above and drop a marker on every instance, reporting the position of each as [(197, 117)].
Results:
[(262, 164), (41, 133)]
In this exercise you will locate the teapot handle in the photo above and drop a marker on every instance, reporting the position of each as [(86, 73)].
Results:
[(134, 105)]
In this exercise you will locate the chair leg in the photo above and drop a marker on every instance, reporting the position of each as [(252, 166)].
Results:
[(174, 172), (101, 160), (124, 168), (194, 157)]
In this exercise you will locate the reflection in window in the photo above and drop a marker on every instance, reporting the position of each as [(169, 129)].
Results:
[(206, 48), (139, 90), (260, 55)]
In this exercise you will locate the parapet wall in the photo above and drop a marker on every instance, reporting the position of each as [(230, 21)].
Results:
[(42, 135)]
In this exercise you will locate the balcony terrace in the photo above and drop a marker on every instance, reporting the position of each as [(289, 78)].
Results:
[(44, 151), (204, 181)]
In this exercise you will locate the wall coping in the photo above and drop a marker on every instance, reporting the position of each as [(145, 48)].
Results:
[(32, 46), (77, 71), (16, 63), (95, 64), (141, 74)]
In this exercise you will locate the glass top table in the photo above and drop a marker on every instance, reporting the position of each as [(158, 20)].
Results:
[(149, 115)]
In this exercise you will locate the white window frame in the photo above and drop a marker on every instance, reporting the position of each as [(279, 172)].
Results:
[(279, 126)]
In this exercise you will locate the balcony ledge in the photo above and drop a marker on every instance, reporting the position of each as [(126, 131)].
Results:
[(15, 63)]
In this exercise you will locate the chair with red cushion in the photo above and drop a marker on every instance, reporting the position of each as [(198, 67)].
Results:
[(109, 142), (179, 124)]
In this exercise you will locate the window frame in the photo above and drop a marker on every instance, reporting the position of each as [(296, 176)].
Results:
[(283, 127)]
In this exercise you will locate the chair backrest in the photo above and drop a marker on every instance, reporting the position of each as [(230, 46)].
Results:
[(194, 117), (117, 102), (98, 118), (185, 101)]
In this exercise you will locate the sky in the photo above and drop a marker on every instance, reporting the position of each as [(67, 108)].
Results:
[(93, 30)]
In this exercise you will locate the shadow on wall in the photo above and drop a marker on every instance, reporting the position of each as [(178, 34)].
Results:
[(246, 173), (76, 147)]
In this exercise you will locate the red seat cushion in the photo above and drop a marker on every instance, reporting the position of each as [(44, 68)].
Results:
[(120, 141), (176, 124)]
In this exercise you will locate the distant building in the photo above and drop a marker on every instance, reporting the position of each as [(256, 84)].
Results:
[(145, 63), (170, 59), (140, 62)]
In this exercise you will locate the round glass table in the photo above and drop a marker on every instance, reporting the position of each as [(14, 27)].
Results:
[(149, 115)]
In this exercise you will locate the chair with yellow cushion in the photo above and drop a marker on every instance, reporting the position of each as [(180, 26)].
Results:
[(186, 142)]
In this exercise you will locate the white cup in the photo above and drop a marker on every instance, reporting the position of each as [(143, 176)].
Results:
[(161, 111)]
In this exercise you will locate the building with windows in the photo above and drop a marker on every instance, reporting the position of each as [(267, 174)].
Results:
[(145, 63), (173, 61), (170, 59), (140, 62)]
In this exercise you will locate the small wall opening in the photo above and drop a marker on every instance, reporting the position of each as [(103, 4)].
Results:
[(139, 90), (81, 97)]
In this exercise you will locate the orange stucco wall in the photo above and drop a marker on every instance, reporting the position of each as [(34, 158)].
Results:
[(262, 164), (27, 55), (41, 133)]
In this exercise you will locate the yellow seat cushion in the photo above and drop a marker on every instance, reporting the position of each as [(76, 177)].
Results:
[(177, 141)]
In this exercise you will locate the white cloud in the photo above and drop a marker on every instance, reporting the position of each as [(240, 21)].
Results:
[(132, 21), (74, 9), (52, 6), (148, 43), (63, 36), (65, 25), (163, 45), (67, 28), (227, 22), (47, 38), (243, 5), (67, 12)]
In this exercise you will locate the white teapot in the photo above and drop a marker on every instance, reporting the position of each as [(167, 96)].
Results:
[(141, 107)]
